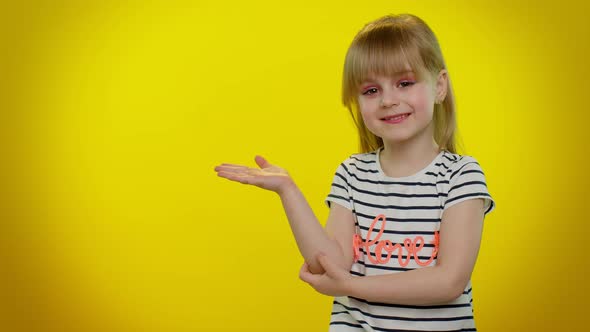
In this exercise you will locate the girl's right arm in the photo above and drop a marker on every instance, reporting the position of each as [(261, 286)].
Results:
[(335, 241)]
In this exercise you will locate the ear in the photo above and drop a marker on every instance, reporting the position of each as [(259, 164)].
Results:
[(442, 84)]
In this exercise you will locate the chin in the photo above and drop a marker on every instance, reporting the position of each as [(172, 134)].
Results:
[(397, 138)]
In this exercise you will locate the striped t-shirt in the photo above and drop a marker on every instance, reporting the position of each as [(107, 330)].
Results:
[(411, 209)]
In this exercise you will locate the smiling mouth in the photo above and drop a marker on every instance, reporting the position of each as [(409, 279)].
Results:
[(395, 118)]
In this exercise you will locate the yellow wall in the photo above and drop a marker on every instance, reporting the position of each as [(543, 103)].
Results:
[(115, 113)]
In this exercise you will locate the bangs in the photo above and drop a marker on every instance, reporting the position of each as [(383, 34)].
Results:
[(388, 47), (385, 51)]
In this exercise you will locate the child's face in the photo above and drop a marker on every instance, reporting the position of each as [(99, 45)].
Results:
[(399, 107)]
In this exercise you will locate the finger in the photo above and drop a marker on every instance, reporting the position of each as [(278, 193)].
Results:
[(232, 165), (231, 168), (325, 263), (307, 276), (252, 172), (304, 268), (241, 178), (261, 162), (250, 176)]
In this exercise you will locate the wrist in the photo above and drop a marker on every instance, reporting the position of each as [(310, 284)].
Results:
[(286, 187), (351, 286)]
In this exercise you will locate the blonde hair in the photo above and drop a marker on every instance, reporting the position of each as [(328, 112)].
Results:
[(385, 46)]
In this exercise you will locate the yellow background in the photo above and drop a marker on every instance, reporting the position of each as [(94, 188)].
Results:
[(114, 114)]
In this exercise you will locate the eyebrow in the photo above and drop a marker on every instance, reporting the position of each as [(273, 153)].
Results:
[(397, 73)]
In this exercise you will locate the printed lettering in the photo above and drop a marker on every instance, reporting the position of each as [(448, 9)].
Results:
[(412, 247)]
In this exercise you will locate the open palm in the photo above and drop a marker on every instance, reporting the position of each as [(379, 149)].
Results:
[(268, 176)]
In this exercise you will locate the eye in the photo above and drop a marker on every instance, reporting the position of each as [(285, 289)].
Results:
[(406, 84), (370, 91)]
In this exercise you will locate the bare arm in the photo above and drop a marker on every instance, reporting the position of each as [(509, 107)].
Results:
[(460, 236), (309, 234), (311, 238)]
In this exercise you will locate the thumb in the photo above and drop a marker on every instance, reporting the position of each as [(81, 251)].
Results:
[(261, 162), (306, 275), (325, 263)]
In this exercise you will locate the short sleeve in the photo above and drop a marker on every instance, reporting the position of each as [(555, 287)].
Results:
[(468, 182), (340, 189)]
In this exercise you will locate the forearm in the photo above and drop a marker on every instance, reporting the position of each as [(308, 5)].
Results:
[(309, 234), (423, 286)]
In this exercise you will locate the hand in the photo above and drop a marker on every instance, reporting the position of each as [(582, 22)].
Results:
[(268, 177), (335, 281)]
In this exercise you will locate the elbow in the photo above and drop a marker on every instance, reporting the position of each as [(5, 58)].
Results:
[(336, 256), (454, 293), (452, 283), (454, 287), (315, 268)]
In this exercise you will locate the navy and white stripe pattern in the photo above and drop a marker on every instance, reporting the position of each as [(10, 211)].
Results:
[(413, 207)]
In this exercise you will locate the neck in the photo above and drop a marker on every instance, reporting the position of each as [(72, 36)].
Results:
[(401, 159)]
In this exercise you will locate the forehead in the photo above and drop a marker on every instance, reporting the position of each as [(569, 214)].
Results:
[(393, 74), (391, 64)]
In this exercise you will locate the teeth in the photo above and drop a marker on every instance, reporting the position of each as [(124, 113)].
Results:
[(396, 117)]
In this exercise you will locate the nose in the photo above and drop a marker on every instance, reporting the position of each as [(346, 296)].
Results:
[(389, 98)]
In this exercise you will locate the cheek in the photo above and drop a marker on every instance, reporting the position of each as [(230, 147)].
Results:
[(368, 113), (366, 118), (423, 103), (368, 106), (364, 105), (364, 110), (425, 107), (369, 120), (372, 126)]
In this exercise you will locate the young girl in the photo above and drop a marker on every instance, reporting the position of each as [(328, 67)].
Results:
[(402, 238)]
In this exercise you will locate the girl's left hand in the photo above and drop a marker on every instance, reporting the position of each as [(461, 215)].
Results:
[(335, 281)]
